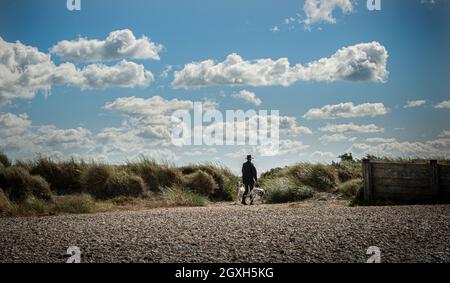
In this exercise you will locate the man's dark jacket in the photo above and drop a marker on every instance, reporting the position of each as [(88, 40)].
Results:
[(249, 174)]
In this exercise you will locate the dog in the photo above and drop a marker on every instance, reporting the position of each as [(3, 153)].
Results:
[(256, 192)]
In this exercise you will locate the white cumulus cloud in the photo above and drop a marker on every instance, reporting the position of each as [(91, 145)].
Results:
[(153, 106), (275, 29), (439, 148), (248, 96), (24, 71), (120, 44), (19, 136), (381, 140), (445, 133), (323, 154), (336, 138), (347, 110), (284, 147), (12, 124), (443, 105), (146, 121), (317, 11), (365, 62), (289, 126), (344, 128), (98, 76), (415, 103)]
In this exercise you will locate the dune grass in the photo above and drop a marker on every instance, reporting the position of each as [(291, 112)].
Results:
[(177, 196), (4, 160), (200, 182), (225, 180), (154, 174), (71, 204), (47, 187), (286, 189), (5, 204), (63, 177), (318, 176), (351, 188), (303, 180), (18, 184)]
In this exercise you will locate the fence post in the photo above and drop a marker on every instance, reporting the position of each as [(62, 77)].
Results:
[(367, 175), (434, 177)]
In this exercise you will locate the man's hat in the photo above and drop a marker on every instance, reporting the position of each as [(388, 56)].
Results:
[(249, 157)]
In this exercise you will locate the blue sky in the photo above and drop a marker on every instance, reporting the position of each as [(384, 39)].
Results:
[(72, 117)]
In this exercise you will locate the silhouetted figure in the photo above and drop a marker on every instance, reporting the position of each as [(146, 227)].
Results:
[(249, 177)]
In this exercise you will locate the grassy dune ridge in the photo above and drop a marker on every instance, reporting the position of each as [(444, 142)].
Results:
[(47, 187), (303, 180)]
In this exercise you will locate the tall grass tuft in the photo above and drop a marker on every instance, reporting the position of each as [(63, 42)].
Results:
[(201, 182), (94, 180), (5, 204), (4, 160), (122, 183), (14, 181), (226, 181), (177, 196), (82, 203), (63, 177), (40, 188), (285, 189), (155, 175), (318, 176), (31, 206), (348, 170), (351, 188), (18, 184)]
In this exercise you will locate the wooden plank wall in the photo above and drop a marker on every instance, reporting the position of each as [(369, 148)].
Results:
[(406, 181), (444, 172)]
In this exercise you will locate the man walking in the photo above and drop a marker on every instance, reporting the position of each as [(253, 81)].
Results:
[(249, 177)]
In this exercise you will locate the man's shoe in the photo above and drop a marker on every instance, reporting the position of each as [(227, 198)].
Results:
[(243, 202)]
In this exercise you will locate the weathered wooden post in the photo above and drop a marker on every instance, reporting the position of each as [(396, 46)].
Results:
[(367, 175), (434, 178)]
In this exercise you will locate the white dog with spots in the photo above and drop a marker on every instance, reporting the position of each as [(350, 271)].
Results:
[(256, 192)]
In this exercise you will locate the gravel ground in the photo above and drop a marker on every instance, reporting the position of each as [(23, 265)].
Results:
[(233, 233)]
